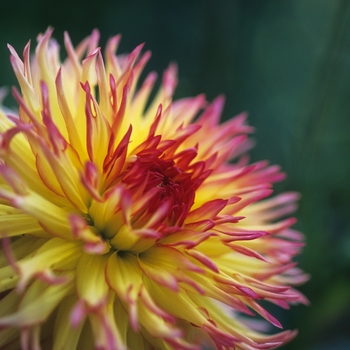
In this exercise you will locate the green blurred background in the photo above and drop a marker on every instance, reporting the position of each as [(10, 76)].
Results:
[(287, 62)]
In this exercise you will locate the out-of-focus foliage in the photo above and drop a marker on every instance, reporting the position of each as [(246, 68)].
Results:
[(285, 61)]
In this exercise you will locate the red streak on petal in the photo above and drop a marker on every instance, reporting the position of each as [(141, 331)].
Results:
[(211, 116), (142, 94), (150, 304), (48, 277), (90, 179), (262, 285), (142, 62), (229, 150), (114, 163), (120, 114), (219, 337), (186, 238), (155, 124), (170, 80), (274, 271), (13, 180), (291, 234), (121, 199), (239, 235), (282, 225), (43, 176), (159, 215), (102, 84), (39, 127), (26, 63), (281, 303), (246, 251), (149, 147), (113, 92), (25, 342), (93, 244), (133, 56), (112, 338), (74, 137), (96, 124), (93, 41), (43, 40), (112, 46), (232, 282), (89, 121), (72, 55), (249, 292), (147, 233), (176, 342), (183, 132), (79, 313), (78, 225), (207, 211), (200, 226), (133, 315), (7, 136), (184, 158), (192, 283), (57, 141), (6, 247), (16, 62), (199, 173), (251, 197), (265, 314), (186, 109), (142, 198), (118, 152), (203, 259)]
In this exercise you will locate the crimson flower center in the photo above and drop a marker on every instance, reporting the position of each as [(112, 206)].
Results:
[(171, 187)]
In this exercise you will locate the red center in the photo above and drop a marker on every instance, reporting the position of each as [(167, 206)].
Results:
[(173, 184)]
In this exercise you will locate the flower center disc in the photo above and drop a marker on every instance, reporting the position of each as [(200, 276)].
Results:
[(174, 188)]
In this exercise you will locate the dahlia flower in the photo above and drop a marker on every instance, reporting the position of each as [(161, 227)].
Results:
[(131, 223)]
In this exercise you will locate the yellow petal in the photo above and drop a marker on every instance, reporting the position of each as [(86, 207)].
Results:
[(56, 254), (91, 283), (18, 224), (37, 304), (124, 276), (65, 336)]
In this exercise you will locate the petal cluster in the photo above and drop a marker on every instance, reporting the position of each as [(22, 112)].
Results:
[(134, 223)]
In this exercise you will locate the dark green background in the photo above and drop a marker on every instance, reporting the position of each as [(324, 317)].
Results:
[(285, 61)]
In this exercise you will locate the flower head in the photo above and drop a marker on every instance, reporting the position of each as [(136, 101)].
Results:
[(130, 223)]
